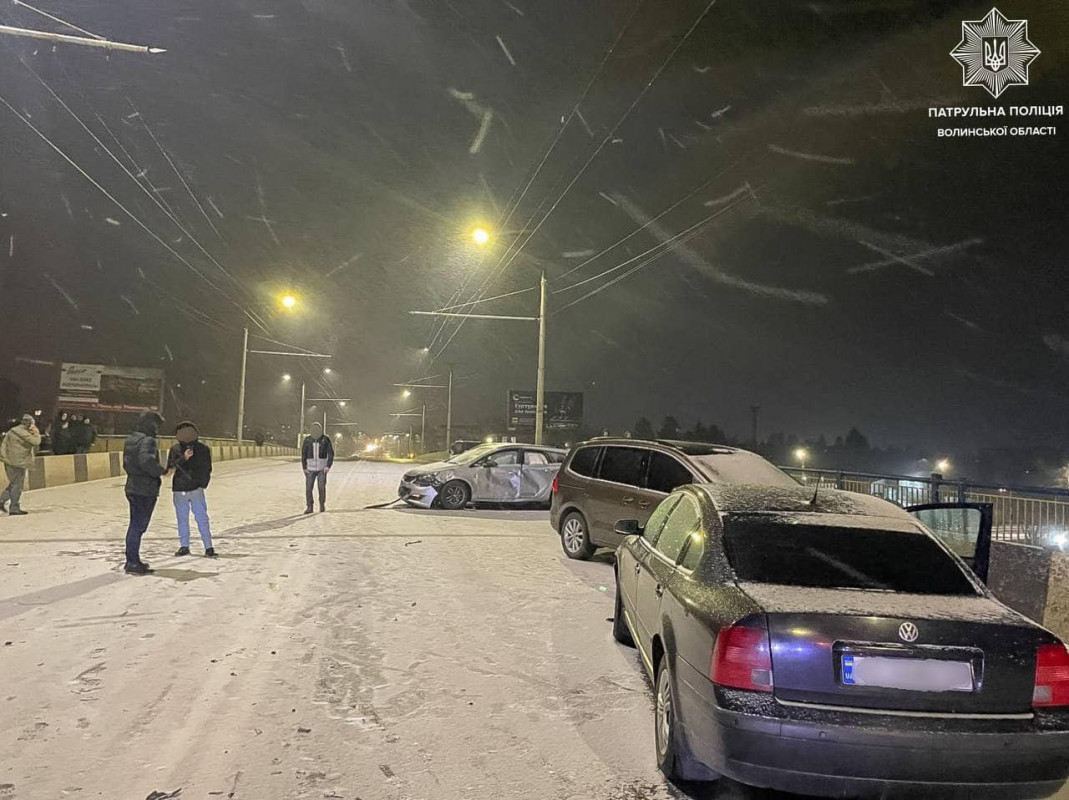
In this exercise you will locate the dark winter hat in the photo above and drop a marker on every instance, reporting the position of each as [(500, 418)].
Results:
[(186, 424), (152, 416)]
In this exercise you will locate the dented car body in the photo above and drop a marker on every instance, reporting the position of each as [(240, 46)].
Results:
[(490, 473)]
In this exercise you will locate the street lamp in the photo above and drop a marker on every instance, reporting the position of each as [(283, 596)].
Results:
[(287, 377), (480, 236), (327, 370), (289, 301), (406, 394), (943, 465), (802, 455)]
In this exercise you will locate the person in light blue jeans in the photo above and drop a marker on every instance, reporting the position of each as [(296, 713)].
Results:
[(192, 463)]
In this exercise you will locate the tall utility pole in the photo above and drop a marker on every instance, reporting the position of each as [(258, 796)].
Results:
[(423, 431), (540, 390), (540, 387), (300, 433), (754, 410), (244, 365), (449, 415), (241, 391)]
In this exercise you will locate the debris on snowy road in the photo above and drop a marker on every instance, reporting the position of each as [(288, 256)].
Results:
[(415, 541), (165, 795)]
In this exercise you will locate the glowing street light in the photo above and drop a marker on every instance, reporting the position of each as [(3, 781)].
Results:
[(288, 301), (480, 236), (406, 394), (943, 465), (287, 377), (327, 370)]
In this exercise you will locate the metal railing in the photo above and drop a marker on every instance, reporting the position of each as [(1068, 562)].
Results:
[(1032, 515)]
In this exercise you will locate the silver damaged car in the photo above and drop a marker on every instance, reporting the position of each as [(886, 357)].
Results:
[(489, 473)]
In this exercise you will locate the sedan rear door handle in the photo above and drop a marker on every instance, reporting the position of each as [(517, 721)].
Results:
[(644, 504), (659, 590), (628, 501)]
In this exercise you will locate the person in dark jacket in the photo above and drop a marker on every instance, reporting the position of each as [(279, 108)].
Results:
[(317, 457), (61, 434), (192, 464), (83, 434), (141, 462)]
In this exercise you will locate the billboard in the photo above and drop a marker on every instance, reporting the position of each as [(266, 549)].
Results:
[(561, 409), (102, 388)]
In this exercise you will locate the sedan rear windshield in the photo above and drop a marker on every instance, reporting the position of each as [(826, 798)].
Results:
[(771, 551)]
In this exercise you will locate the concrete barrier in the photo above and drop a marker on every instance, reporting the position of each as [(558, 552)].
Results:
[(48, 471), (1034, 581)]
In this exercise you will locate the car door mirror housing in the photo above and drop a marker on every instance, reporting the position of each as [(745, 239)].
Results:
[(628, 527), (489, 463)]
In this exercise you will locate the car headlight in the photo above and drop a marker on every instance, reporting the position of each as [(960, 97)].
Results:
[(425, 480)]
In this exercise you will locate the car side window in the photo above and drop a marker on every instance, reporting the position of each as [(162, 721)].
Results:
[(555, 458), (692, 556), (666, 474), (657, 519), (535, 458), (682, 523), (505, 458), (624, 465), (584, 461)]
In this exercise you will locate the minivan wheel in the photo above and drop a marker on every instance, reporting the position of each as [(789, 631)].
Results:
[(574, 536), (455, 495), (620, 631)]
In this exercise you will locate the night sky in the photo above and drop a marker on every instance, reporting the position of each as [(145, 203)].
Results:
[(844, 265)]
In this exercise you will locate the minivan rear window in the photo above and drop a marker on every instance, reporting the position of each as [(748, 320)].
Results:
[(584, 461), (770, 551)]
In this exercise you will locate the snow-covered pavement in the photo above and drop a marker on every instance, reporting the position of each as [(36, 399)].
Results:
[(354, 654)]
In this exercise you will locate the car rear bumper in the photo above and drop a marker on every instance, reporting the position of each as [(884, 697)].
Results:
[(417, 496), (865, 760)]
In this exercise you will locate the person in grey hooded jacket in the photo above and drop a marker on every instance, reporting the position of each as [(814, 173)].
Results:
[(144, 473)]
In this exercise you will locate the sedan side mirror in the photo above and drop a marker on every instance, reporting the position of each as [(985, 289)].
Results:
[(489, 463), (628, 527)]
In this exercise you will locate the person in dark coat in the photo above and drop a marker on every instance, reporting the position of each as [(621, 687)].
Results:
[(317, 457), (191, 461), (61, 434), (83, 434), (141, 462)]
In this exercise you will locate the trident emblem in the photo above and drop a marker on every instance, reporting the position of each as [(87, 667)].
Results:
[(994, 54)]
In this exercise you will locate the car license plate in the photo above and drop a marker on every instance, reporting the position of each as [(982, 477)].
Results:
[(911, 674)]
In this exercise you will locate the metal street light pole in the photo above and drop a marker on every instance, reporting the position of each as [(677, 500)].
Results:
[(300, 432), (241, 391), (449, 415), (244, 365), (423, 431), (107, 44), (540, 390)]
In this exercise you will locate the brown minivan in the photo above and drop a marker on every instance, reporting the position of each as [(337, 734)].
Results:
[(605, 480)]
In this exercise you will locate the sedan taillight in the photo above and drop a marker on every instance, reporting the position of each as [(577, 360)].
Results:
[(742, 659), (1052, 676)]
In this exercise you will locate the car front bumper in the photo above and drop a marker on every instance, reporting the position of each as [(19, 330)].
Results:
[(417, 496), (876, 756)]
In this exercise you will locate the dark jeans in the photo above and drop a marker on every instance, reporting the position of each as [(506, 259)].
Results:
[(141, 508), (310, 479)]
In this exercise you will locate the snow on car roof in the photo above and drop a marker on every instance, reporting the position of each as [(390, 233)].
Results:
[(798, 500)]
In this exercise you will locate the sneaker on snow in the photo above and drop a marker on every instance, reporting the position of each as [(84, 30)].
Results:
[(309, 510), (17, 512), (138, 569), (210, 553), (182, 551)]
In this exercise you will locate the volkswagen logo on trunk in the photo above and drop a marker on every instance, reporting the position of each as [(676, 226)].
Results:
[(908, 632)]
